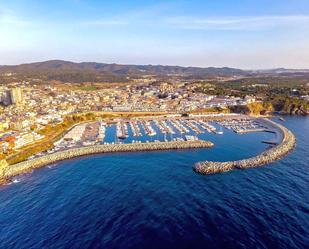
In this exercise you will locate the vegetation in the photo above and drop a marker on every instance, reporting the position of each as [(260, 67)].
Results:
[(254, 108), (52, 133), (277, 94), (258, 86), (88, 88), (290, 105), (211, 110), (285, 105)]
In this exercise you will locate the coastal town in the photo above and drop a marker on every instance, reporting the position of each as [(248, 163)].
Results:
[(162, 124), (26, 108), (39, 119)]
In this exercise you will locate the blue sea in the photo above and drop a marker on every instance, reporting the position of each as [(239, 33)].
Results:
[(155, 200)]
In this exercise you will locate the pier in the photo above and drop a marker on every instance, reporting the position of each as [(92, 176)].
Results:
[(135, 129), (148, 128), (26, 166), (284, 147), (122, 130)]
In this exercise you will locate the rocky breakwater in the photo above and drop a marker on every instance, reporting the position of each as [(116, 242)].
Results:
[(12, 170), (287, 144)]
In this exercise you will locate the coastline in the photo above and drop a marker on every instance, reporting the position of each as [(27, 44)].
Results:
[(6, 173), (286, 145)]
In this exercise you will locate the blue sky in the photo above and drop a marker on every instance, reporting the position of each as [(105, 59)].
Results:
[(235, 33)]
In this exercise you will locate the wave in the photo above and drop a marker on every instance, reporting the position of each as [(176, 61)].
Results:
[(50, 166)]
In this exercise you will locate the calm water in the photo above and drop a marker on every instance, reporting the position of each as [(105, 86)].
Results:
[(155, 200)]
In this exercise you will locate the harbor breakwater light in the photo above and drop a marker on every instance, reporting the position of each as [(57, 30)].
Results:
[(10, 171), (287, 144)]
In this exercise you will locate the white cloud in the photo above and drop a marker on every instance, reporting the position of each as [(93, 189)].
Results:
[(238, 23), (205, 23)]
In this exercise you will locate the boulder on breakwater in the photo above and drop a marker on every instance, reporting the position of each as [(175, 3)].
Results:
[(284, 147), (26, 166)]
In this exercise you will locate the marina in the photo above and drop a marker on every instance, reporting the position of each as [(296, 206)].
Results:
[(151, 130), (243, 125), (160, 129), (164, 129)]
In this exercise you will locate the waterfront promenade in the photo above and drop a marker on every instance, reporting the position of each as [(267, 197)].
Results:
[(12, 170), (287, 144)]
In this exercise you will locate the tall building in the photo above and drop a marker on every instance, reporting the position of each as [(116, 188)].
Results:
[(5, 98), (11, 97), (16, 95)]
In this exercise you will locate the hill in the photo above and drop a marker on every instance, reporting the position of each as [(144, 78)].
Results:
[(67, 71), (92, 71)]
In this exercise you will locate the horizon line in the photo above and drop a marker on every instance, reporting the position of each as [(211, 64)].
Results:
[(153, 64)]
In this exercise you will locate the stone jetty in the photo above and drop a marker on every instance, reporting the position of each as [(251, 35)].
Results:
[(287, 144), (12, 170)]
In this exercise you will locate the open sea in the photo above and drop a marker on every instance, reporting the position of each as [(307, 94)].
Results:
[(155, 200)]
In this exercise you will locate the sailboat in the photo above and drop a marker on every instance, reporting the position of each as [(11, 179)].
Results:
[(220, 132)]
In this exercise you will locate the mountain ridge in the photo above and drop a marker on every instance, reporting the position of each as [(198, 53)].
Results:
[(119, 68), (68, 71)]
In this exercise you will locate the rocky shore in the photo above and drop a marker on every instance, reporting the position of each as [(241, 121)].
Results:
[(287, 144), (10, 171)]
